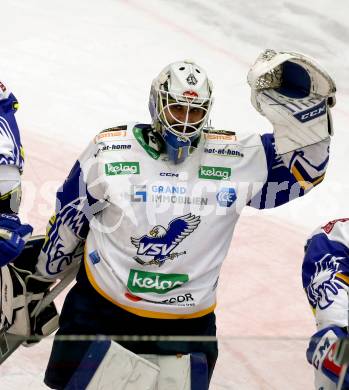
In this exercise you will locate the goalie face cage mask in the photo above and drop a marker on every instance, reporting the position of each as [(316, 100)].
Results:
[(180, 103)]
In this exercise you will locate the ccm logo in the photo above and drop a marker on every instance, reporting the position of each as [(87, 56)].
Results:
[(314, 113), (169, 174)]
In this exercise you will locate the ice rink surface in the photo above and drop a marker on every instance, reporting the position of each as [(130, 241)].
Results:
[(78, 67)]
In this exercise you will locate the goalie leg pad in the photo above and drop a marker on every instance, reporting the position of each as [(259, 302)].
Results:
[(107, 364), (21, 291), (13, 309)]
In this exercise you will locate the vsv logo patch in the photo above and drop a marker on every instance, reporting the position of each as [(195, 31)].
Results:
[(159, 244), (324, 286)]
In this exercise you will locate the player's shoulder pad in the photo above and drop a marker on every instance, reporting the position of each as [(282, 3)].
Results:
[(337, 229)]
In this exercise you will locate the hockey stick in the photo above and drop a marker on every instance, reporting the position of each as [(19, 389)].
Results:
[(56, 290)]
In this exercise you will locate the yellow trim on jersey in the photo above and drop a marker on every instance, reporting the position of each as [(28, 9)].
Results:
[(304, 183), (9, 194), (142, 312), (22, 152), (343, 278), (318, 180)]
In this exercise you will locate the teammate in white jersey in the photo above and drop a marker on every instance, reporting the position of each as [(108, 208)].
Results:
[(155, 205), (13, 234), (326, 281)]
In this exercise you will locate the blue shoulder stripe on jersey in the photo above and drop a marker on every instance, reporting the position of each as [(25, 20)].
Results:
[(300, 173), (280, 186), (73, 210)]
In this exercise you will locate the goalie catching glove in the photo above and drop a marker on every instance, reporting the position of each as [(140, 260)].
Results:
[(21, 292), (294, 93)]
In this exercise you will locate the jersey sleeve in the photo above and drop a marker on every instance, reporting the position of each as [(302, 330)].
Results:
[(325, 273), (290, 175), (77, 202), (11, 155), (11, 151)]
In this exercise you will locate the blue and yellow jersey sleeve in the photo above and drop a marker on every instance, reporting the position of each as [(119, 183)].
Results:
[(325, 269), (290, 175), (11, 150), (69, 226)]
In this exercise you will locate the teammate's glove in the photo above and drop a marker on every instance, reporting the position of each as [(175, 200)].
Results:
[(294, 93), (13, 236), (321, 351)]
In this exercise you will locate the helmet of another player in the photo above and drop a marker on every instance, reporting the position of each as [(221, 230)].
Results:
[(180, 103)]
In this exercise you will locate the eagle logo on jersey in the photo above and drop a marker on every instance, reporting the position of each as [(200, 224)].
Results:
[(324, 286), (160, 242)]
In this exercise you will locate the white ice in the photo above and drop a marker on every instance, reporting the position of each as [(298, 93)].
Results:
[(80, 66)]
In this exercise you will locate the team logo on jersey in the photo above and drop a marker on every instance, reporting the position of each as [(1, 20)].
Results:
[(159, 244), (122, 168), (138, 193), (214, 173), (226, 197), (324, 284)]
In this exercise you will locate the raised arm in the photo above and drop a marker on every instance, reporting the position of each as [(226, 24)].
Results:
[(295, 94)]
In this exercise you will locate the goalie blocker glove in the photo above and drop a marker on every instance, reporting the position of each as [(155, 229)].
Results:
[(321, 351), (21, 292), (294, 93)]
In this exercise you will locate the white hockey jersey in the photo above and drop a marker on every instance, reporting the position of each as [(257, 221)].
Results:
[(156, 233), (325, 275), (11, 153)]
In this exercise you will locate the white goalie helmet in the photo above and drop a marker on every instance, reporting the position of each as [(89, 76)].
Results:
[(182, 87)]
